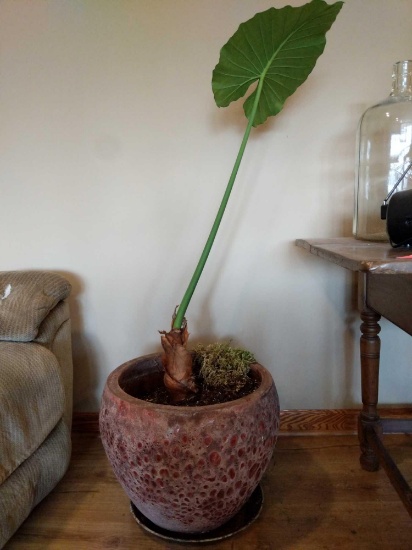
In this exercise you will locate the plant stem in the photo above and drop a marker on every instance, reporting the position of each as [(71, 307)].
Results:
[(178, 320)]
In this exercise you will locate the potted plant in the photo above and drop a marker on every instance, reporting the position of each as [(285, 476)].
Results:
[(189, 469)]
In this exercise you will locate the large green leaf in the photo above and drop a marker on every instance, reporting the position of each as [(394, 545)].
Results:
[(279, 47)]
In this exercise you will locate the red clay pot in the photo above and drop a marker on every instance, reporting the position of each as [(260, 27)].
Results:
[(187, 469)]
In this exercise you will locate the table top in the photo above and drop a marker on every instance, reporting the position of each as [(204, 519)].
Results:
[(358, 255)]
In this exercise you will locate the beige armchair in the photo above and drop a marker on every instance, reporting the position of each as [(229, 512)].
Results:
[(35, 391)]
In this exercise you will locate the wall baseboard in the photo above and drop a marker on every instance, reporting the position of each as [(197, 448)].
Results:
[(292, 422)]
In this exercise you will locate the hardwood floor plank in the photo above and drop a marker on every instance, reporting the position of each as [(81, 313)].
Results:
[(316, 497)]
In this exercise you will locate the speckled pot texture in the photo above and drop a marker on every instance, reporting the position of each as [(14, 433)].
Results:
[(187, 469)]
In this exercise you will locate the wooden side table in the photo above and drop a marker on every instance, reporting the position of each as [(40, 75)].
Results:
[(384, 289)]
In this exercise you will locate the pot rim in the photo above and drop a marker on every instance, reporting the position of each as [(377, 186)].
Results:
[(112, 385)]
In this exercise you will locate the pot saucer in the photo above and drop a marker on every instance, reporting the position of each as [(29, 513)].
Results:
[(246, 515)]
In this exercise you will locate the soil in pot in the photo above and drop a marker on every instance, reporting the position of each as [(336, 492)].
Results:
[(206, 395)]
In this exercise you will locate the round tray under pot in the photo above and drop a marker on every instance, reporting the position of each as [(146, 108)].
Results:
[(246, 515)]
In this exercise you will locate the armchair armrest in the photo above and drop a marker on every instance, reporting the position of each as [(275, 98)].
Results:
[(26, 298)]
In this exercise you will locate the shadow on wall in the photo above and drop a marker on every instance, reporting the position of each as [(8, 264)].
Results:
[(338, 336), (85, 365)]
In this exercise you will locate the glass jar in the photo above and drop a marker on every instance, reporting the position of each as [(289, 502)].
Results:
[(384, 146)]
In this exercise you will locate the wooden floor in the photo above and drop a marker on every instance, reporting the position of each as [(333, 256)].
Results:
[(316, 497)]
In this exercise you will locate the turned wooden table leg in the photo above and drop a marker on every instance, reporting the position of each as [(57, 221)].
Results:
[(369, 356)]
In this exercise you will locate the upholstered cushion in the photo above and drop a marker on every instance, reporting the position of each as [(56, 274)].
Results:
[(26, 297), (32, 401), (33, 480), (55, 335)]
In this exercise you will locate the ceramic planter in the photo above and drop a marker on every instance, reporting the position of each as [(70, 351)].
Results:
[(187, 469)]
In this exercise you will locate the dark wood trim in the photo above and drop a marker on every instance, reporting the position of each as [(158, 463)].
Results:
[(331, 421), (85, 422), (292, 422), (318, 421)]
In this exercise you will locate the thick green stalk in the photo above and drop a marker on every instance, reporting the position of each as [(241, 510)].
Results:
[(178, 320)]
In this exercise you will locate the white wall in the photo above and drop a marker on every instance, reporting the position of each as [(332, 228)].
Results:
[(114, 158)]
